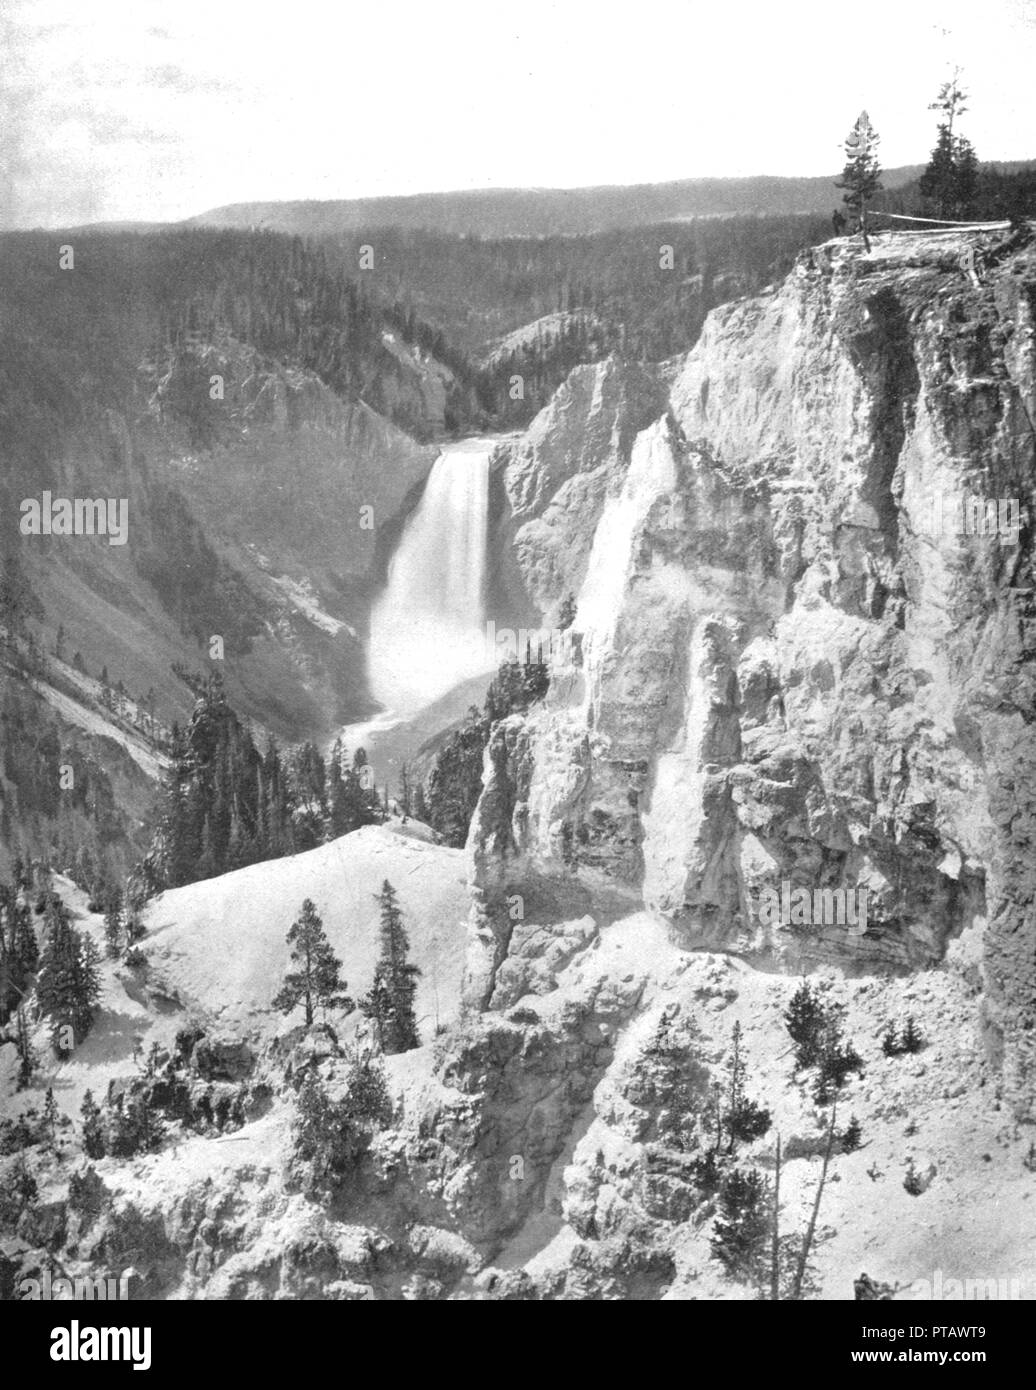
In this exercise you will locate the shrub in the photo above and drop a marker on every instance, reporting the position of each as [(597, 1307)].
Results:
[(910, 1040), (851, 1137), (707, 1176), (330, 1137), (912, 1181), (18, 1190), (21, 1131), (368, 1099), (133, 1127)]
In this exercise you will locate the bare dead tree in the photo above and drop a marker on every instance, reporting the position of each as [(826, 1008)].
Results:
[(800, 1272), (775, 1261)]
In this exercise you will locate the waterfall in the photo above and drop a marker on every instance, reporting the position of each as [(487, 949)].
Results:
[(428, 625)]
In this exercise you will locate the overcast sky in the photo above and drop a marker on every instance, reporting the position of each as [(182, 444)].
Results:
[(157, 109)]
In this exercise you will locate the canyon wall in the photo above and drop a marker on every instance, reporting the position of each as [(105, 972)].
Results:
[(785, 672), (279, 458)]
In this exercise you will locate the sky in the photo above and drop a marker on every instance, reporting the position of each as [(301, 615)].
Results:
[(158, 109)]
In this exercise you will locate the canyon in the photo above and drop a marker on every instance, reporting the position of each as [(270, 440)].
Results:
[(782, 675)]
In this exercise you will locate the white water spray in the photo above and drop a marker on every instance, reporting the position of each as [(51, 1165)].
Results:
[(428, 626)]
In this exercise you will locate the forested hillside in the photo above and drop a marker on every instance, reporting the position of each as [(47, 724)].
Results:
[(227, 386), (75, 338), (642, 291)]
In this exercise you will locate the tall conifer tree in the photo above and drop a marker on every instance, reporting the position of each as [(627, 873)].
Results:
[(861, 177), (391, 999), (317, 981)]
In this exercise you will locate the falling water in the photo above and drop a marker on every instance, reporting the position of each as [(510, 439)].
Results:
[(428, 626)]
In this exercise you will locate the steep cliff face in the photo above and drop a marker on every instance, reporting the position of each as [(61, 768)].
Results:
[(550, 483), (788, 674), (284, 460)]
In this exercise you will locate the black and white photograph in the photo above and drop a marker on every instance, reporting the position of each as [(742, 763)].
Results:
[(517, 665)]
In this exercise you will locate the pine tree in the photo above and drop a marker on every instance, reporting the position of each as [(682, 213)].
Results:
[(26, 950), (911, 1040), (151, 1129), (377, 1005), (68, 984), (951, 178), (350, 802), (318, 980), (19, 1188), (87, 986), (852, 1136), (136, 1126), (938, 180), (330, 1136), (367, 1094), (742, 1228), (313, 1131), (60, 978), (390, 1001), (334, 768), (837, 1059), (861, 177), (804, 1019), (27, 1062), (19, 953), (746, 1120), (965, 176), (50, 1119), (113, 924), (93, 1127)]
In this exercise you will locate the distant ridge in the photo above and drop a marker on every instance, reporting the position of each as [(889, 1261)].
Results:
[(546, 211), (537, 212)]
